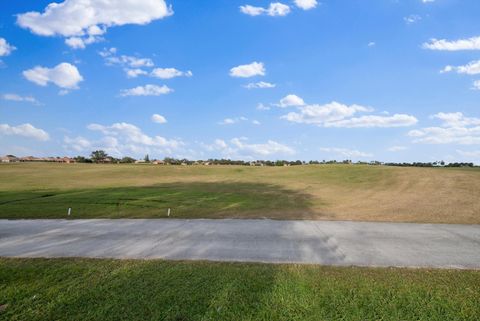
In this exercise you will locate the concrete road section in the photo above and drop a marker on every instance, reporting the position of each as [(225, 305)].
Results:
[(317, 242)]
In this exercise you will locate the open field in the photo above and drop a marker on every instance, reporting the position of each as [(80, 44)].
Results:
[(325, 192), (51, 289)]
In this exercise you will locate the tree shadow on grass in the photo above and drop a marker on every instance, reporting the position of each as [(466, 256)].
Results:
[(186, 200)]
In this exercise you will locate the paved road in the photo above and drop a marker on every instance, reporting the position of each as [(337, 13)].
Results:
[(329, 243)]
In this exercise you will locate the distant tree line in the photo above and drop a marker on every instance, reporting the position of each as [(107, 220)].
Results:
[(431, 164), (100, 156)]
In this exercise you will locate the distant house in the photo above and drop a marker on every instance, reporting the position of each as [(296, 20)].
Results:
[(106, 160), (66, 160), (31, 159), (140, 161), (158, 162), (9, 159)]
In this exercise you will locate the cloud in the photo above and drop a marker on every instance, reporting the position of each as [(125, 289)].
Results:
[(306, 4), (256, 122), (147, 90), (261, 106), (371, 44), (24, 130), (81, 43), (411, 19), (274, 9), (250, 70), (231, 121), (135, 66), (239, 148), (428, 1), (134, 73), (397, 120), (78, 144), (15, 97), (455, 128), (64, 75), (264, 150), (291, 100), (456, 45), (470, 154), (123, 138), (349, 153), (259, 85), (336, 114), (84, 21), (472, 68), (159, 119), (5, 48), (111, 58), (168, 73), (396, 148), (476, 85)]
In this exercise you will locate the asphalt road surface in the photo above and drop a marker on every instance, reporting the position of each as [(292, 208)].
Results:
[(317, 242)]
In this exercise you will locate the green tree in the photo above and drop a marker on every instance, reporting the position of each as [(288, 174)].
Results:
[(98, 156)]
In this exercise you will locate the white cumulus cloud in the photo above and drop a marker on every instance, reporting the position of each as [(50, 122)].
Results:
[(123, 139), (335, 114), (25, 130), (259, 85), (455, 45), (249, 70), (159, 119), (240, 148), (167, 73), (472, 68), (345, 152), (64, 75), (291, 100), (455, 128), (83, 21), (274, 9), (5, 47), (147, 90), (306, 4)]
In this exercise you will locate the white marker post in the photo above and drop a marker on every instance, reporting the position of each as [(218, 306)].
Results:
[(168, 212), (69, 211)]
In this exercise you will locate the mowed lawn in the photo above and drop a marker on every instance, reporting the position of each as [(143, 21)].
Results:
[(87, 289), (329, 192)]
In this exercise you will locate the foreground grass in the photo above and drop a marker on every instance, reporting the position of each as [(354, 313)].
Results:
[(332, 192), (85, 289)]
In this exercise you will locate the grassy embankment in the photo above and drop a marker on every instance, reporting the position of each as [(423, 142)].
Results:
[(332, 192)]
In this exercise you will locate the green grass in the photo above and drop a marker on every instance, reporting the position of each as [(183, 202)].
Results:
[(85, 289), (203, 199)]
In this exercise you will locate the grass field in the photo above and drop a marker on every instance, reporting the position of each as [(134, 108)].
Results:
[(333, 192), (85, 289)]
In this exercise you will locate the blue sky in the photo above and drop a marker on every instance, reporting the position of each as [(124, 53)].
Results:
[(364, 80)]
